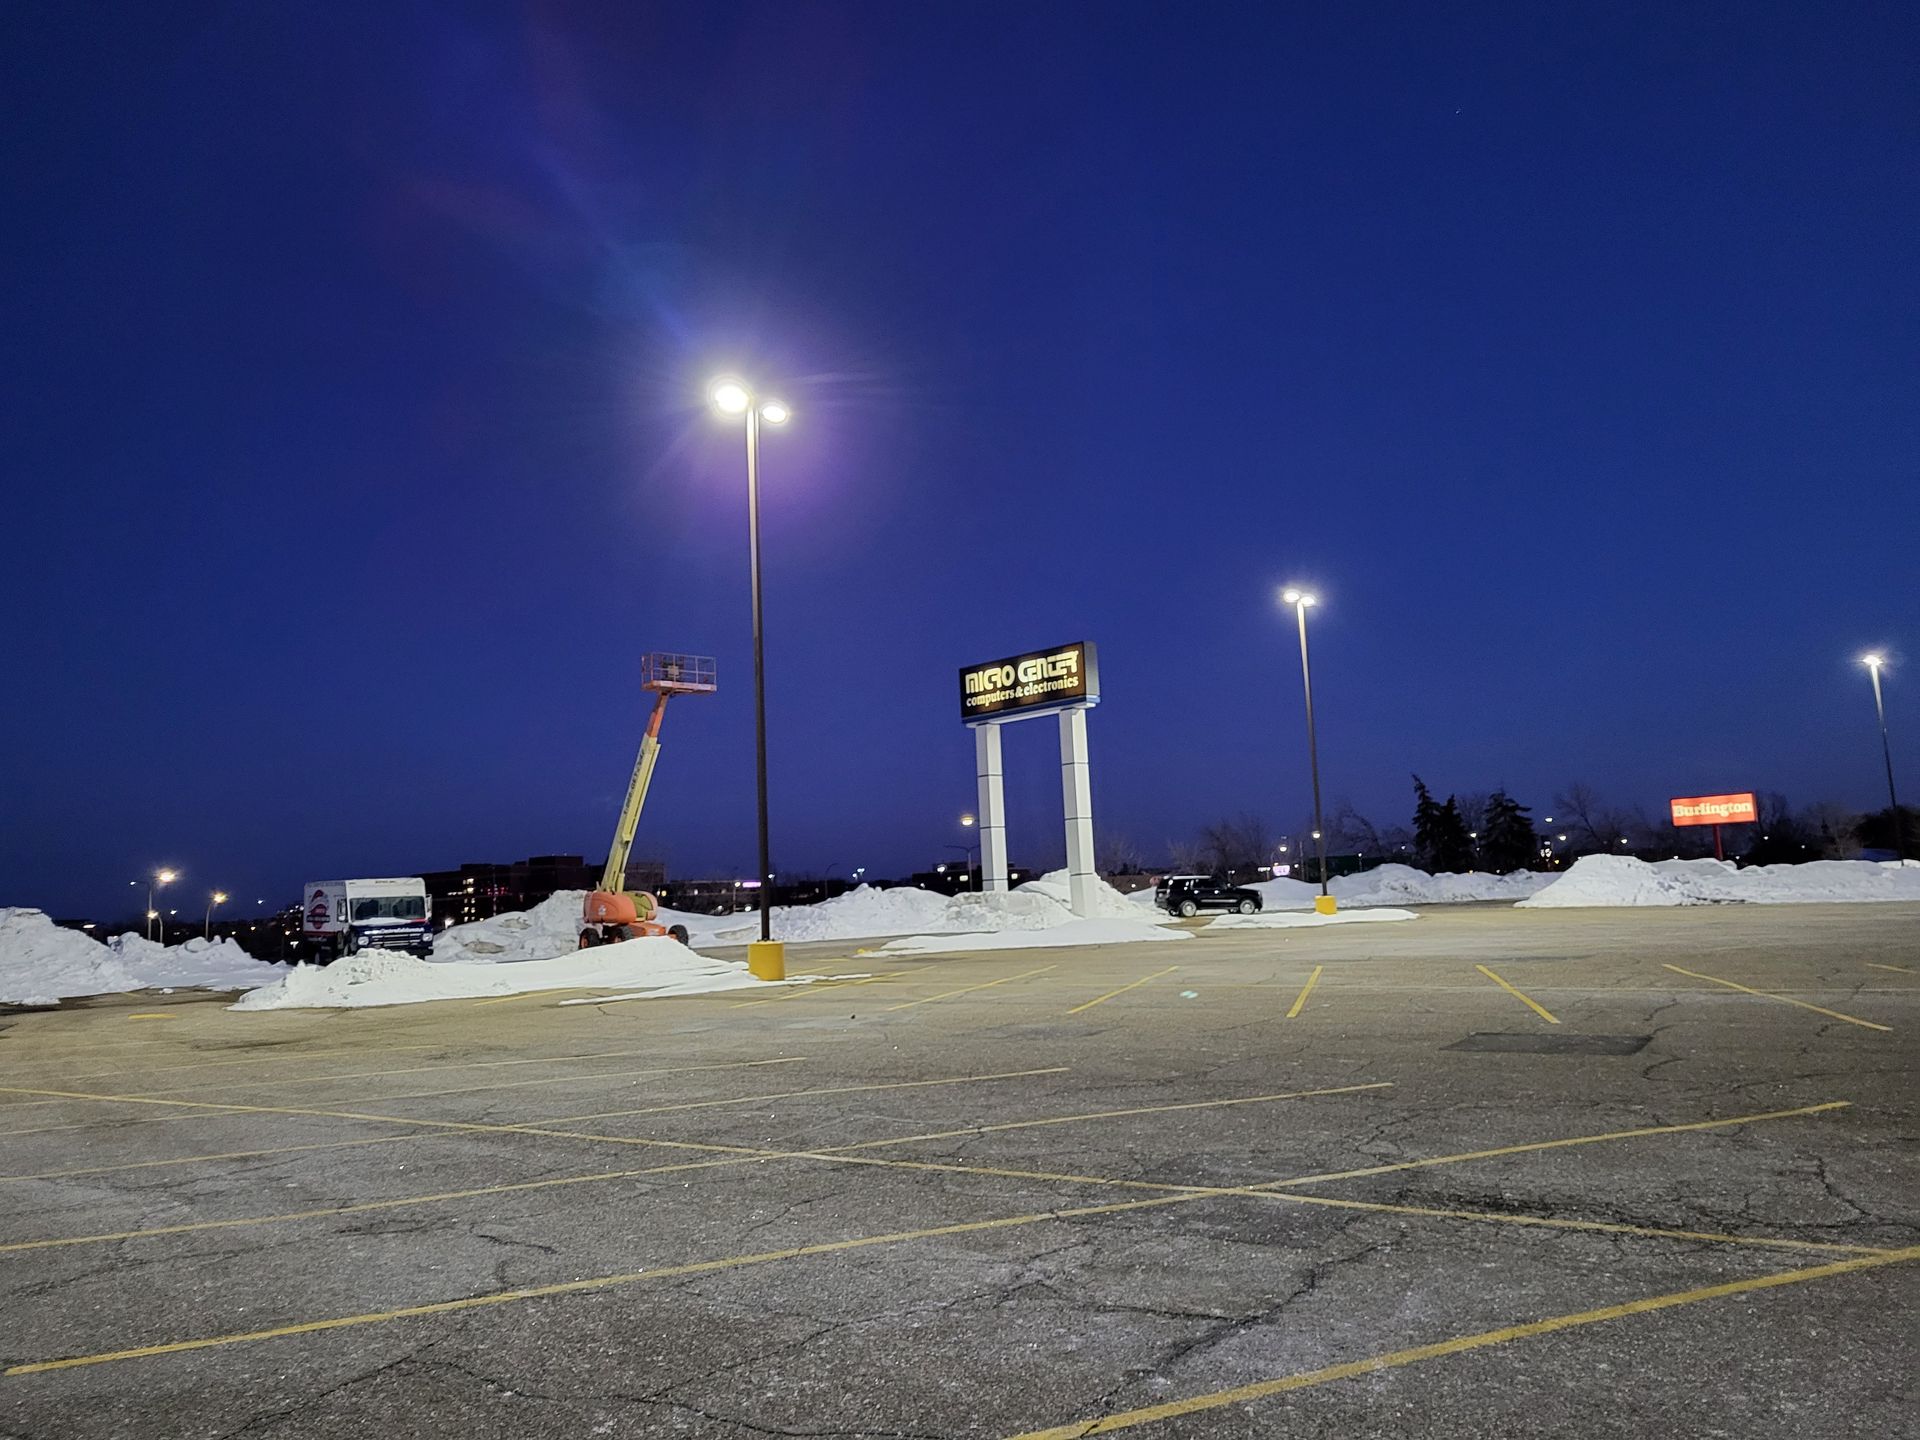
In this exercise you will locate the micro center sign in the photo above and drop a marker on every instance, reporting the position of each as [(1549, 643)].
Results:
[(1034, 683), (1716, 810)]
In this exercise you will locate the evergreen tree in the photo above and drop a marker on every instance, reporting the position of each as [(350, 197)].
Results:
[(1427, 826), (1507, 839), (1454, 846)]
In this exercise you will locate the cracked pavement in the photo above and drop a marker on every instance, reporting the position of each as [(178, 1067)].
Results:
[(1033, 1318)]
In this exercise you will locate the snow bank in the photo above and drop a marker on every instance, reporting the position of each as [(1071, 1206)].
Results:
[(651, 966), (544, 932), (41, 963), (1292, 920), (1071, 932), (1402, 885), (1620, 880)]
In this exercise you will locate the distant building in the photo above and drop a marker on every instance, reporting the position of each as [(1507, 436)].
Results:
[(479, 891)]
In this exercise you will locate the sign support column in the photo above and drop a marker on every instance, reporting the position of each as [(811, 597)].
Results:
[(992, 806), (1076, 786)]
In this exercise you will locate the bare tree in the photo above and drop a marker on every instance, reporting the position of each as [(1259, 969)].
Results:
[(1243, 843)]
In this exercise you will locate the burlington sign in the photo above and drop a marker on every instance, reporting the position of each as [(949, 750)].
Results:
[(1035, 683)]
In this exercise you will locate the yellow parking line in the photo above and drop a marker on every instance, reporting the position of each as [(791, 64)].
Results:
[(1527, 1001), (1101, 999), (1372, 1365), (1305, 990), (1783, 999), (799, 990), (969, 989), (554, 1120), (1904, 970), (1183, 1196)]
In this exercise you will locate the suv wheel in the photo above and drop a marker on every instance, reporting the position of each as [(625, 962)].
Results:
[(1246, 907), (1188, 909)]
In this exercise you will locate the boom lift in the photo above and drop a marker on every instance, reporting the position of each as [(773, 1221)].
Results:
[(613, 913)]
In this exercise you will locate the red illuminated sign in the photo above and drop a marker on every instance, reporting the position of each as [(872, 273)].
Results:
[(1716, 810)]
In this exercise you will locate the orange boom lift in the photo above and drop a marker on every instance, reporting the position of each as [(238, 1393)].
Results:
[(614, 913)]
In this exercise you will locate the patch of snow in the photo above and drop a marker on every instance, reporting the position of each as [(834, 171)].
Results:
[(652, 965), (1402, 885), (1293, 920), (1620, 880), (42, 963), (1108, 931)]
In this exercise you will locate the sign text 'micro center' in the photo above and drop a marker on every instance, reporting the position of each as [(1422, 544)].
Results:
[(1037, 682)]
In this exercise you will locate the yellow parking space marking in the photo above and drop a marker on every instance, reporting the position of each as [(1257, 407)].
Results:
[(1104, 1115), (1534, 1145), (1352, 1369), (1528, 1001), (800, 990), (210, 1109), (1102, 999), (969, 989), (1182, 1196), (1902, 969), (555, 1120), (1783, 999), (1305, 990)]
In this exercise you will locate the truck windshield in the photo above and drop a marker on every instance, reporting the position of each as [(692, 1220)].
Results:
[(390, 907)]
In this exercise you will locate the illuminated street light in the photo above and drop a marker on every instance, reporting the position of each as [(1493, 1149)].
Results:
[(1302, 601), (1873, 664), (731, 396)]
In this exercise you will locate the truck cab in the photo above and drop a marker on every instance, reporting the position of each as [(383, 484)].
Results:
[(340, 917)]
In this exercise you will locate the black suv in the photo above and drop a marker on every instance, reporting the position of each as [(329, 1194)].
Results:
[(1190, 894)]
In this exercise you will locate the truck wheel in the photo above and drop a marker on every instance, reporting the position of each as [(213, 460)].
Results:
[(678, 932), (1188, 909), (1246, 907)]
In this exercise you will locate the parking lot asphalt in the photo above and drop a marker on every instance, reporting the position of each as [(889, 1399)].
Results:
[(1490, 1172)]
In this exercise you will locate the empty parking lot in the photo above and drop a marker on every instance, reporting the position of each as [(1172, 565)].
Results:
[(1490, 1172)]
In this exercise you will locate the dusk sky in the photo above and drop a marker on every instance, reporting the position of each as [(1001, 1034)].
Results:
[(357, 445)]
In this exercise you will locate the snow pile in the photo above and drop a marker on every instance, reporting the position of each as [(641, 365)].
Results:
[(41, 963), (1292, 920), (855, 915), (1402, 885), (547, 930), (651, 966), (1070, 932), (866, 913), (1617, 880)]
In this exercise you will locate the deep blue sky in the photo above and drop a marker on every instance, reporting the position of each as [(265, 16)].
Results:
[(355, 443)]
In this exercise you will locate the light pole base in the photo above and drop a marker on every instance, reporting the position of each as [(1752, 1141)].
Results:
[(767, 960), (1324, 904)]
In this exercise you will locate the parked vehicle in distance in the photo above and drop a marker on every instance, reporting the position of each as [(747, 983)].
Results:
[(339, 917), (1190, 894)]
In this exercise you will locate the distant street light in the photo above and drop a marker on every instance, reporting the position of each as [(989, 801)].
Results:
[(219, 897), (1873, 664), (159, 880), (732, 397), (1301, 602)]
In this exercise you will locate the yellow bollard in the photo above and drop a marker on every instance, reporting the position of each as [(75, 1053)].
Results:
[(1324, 904), (767, 960)]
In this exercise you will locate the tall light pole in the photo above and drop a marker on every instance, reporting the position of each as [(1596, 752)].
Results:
[(219, 897), (159, 880), (1302, 601), (732, 397), (1873, 664)]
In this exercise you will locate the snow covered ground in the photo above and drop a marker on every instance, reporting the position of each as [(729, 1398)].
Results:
[(1104, 931), (648, 967), (1619, 880), (1402, 885), (41, 963), (1294, 920)]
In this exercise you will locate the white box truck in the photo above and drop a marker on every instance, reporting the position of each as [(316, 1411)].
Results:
[(342, 916)]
